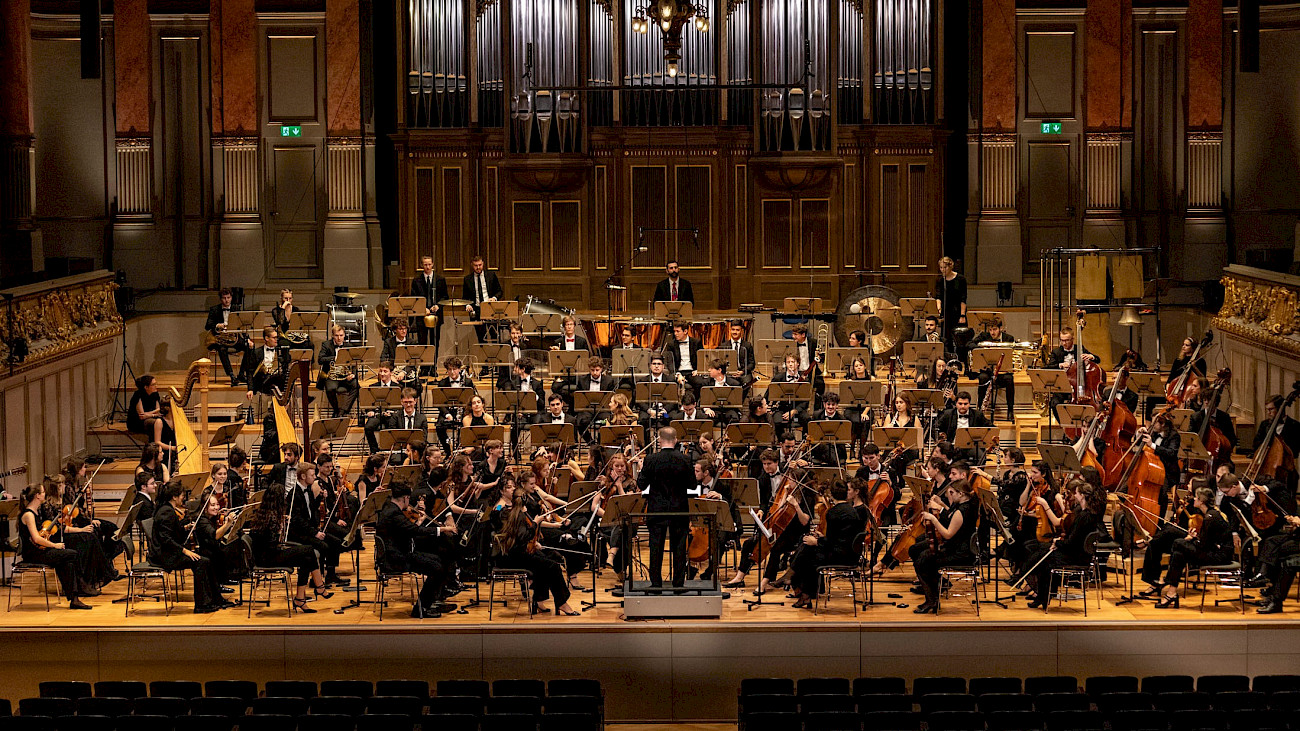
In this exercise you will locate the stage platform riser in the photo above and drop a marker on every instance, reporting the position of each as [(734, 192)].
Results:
[(686, 672)]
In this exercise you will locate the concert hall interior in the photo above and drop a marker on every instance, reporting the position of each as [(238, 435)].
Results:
[(665, 343)]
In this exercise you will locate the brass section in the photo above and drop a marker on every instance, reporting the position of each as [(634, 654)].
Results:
[(58, 317)]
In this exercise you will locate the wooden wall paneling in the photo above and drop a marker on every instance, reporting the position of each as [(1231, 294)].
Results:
[(424, 244), (600, 214), (777, 243), (851, 212), (740, 232), (1049, 84), (693, 194), (452, 220), (920, 215), (815, 233), (1158, 138), (889, 213), (648, 205), (526, 235), (566, 239), (292, 83), (1048, 191), (490, 223), (35, 409)]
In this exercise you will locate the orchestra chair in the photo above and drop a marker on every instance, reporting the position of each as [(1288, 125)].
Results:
[(463, 688), (383, 576), (828, 574), (142, 571), (1084, 574), (129, 689), (882, 685), (50, 707), (950, 575), (258, 575), (930, 685), (199, 722), (379, 722), (327, 722), (510, 576), (1139, 720), (1228, 575), (23, 568), (1099, 685)]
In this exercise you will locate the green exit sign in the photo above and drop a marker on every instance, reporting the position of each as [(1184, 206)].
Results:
[(1050, 128), (295, 130)]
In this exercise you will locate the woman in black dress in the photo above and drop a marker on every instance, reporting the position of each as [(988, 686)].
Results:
[(950, 290), (210, 538), (151, 461), (144, 414), (48, 551), (493, 466), (1085, 518), (954, 525), (516, 537), (266, 528), (844, 523), (93, 564), (75, 483)]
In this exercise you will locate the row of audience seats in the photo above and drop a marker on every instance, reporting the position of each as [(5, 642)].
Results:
[(1054, 703), (342, 705)]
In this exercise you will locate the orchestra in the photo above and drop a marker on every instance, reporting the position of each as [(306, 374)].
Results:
[(897, 489)]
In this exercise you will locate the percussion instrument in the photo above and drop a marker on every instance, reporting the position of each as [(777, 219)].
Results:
[(539, 306), (874, 310), (713, 333), (647, 332), (352, 318)]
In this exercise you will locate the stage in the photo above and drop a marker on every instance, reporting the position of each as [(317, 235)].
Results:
[(653, 670)]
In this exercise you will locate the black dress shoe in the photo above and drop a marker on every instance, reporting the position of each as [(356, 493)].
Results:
[(78, 604), (1270, 607), (930, 607), (209, 609)]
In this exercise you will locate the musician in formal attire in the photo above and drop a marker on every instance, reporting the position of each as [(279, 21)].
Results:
[(569, 339), (399, 534), (146, 487), (266, 366), (716, 377), (1198, 400), (953, 523), (1184, 359), (1165, 441), (267, 531), (786, 415), (448, 418), (834, 455), (655, 413), (950, 290), (595, 380), (805, 349), (409, 416), (1288, 431), (478, 287), (218, 319), (518, 545), (961, 416), (1005, 380), (666, 476), (1070, 547), (431, 289), (49, 551), (799, 500), (1278, 562), (167, 550), (286, 472), (517, 347), (683, 353), (844, 526), (930, 330), (145, 414), (690, 410), (674, 288), (336, 504), (340, 384), (736, 342), (1211, 544), (874, 468)]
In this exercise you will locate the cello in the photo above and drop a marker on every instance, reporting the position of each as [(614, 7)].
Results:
[(1143, 477), (1176, 390), (779, 516), (1215, 441), (1086, 377)]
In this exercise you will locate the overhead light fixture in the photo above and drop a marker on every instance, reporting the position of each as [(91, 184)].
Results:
[(672, 16)]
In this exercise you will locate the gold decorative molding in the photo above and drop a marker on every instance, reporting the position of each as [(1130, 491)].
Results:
[(61, 316), (1261, 307)]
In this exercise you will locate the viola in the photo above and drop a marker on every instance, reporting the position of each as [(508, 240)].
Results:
[(916, 530)]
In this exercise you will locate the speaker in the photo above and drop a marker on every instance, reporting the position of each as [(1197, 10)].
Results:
[(90, 34), (1248, 36)]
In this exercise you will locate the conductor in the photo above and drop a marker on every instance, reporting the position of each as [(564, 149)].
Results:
[(665, 478)]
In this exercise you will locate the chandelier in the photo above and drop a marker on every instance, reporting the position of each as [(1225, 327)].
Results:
[(671, 16)]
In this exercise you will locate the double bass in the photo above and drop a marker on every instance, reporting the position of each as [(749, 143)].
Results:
[(1120, 428), (1086, 377), (1274, 460), (1215, 441), (1143, 477)]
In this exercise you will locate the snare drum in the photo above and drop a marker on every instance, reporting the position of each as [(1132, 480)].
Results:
[(713, 333)]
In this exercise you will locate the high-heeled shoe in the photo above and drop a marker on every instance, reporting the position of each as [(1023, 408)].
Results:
[(1150, 591), (301, 605), (1167, 602), (738, 583), (539, 609), (569, 613), (929, 607), (322, 593)]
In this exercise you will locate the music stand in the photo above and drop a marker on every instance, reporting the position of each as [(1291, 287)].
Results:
[(917, 308), (750, 433), (989, 502), (541, 324), (1146, 385), (592, 401), (477, 436), (987, 357), (404, 307), (516, 404), (1060, 457), (773, 351), (842, 358), (920, 355), (415, 355), (225, 436), (498, 311), (1191, 447), (622, 509), (379, 398), (564, 434), (833, 432), (920, 488), (763, 534), (370, 507), (655, 393), (864, 394), (802, 306), (1049, 380), (789, 391), (242, 321), (1181, 419), (975, 438), (1074, 416), (390, 439), (329, 429), (567, 362), (353, 357), (308, 320), (929, 397), (407, 474), (708, 355), (665, 310), (691, 430), (614, 436), (722, 397), (981, 319), (630, 361), (895, 437), (716, 515)]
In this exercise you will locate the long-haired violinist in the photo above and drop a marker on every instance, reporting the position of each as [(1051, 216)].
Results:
[(266, 529), (953, 524), (1087, 509), (518, 541), (48, 550)]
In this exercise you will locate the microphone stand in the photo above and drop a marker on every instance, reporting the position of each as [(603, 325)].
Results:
[(610, 286)]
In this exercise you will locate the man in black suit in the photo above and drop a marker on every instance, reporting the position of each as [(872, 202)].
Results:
[(555, 413), (570, 339), (286, 472), (594, 380), (717, 378), (961, 415), (399, 535), (167, 550), (341, 392), (655, 413), (683, 351), (805, 349), (146, 487), (523, 380), (835, 455), (744, 355), (218, 314), (1288, 430), (786, 415), (448, 419), (432, 289), (480, 286), (674, 288), (409, 416), (266, 367), (1005, 378), (665, 478)]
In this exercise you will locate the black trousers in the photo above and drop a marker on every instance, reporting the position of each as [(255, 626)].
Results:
[(432, 569), (223, 354), (1187, 552), (207, 590), (1160, 545), (327, 549), (64, 562), (927, 564), (547, 568), (790, 539), (677, 530), (1273, 552), (1005, 382), (808, 560), (341, 395), (292, 555)]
